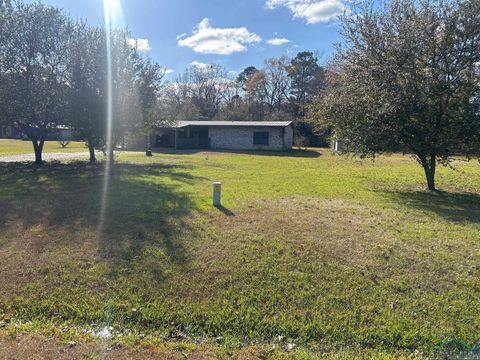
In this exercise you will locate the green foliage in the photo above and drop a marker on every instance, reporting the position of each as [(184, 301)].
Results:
[(307, 80), (406, 78), (87, 91), (54, 71), (34, 44)]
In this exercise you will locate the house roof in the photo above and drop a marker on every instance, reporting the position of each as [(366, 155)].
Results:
[(184, 123)]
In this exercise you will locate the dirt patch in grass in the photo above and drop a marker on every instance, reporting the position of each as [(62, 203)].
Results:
[(36, 347)]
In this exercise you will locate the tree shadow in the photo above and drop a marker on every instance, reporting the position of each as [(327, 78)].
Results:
[(298, 153), (452, 206), (140, 209)]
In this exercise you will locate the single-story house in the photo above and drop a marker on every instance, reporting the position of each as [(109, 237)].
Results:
[(226, 135)]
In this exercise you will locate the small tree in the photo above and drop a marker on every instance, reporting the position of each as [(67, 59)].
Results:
[(34, 46), (87, 78), (149, 81), (63, 143), (407, 77)]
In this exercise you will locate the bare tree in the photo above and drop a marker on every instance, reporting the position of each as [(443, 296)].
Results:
[(277, 82), (199, 92), (207, 85)]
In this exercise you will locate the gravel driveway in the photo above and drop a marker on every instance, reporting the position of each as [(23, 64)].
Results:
[(45, 157)]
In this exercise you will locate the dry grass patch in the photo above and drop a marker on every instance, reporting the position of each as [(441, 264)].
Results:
[(341, 230)]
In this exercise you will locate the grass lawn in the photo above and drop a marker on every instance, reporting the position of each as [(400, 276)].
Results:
[(313, 255), (18, 147)]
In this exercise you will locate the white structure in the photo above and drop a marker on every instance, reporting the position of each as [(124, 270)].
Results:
[(338, 145), (217, 193)]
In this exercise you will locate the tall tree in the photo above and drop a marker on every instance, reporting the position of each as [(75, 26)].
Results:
[(277, 83), (5, 13), (206, 85), (256, 95), (245, 76), (408, 77), (87, 90), (148, 83), (34, 70), (307, 78)]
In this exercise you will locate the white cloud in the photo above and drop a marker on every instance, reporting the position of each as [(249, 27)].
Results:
[(169, 71), (181, 36), (209, 40), (200, 64), (313, 11), (278, 41), (140, 44)]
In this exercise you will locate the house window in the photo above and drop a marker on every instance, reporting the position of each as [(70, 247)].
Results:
[(260, 138)]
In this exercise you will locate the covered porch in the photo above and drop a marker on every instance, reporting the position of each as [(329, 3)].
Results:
[(186, 137)]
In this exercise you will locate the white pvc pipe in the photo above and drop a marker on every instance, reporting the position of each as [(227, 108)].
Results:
[(217, 193)]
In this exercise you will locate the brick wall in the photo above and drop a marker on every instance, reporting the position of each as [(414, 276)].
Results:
[(241, 138)]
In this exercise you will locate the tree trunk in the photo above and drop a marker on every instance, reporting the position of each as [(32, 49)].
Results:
[(429, 166), (148, 150), (38, 148), (110, 155), (91, 150)]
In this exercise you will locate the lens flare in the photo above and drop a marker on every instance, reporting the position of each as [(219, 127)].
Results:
[(112, 18)]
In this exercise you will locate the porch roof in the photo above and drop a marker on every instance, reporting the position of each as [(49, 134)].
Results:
[(184, 123)]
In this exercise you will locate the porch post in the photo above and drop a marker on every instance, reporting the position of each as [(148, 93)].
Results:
[(175, 138)]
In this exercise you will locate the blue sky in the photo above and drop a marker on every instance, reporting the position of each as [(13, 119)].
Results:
[(233, 33)]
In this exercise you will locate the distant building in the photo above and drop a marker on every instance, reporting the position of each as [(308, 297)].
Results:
[(60, 133), (227, 135), (9, 132)]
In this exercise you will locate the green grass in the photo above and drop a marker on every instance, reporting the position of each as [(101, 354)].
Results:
[(17, 147), (339, 256)]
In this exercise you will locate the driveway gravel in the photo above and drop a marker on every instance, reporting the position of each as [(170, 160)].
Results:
[(45, 156)]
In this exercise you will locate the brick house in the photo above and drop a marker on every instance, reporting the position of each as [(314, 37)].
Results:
[(226, 135)]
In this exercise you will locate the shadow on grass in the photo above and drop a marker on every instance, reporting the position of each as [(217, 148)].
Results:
[(456, 207), (224, 210), (299, 153), (141, 209)]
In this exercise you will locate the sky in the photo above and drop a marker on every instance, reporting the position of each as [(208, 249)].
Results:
[(233, 33)]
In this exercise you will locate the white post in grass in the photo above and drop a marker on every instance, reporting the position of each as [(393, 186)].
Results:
[(217, 193)]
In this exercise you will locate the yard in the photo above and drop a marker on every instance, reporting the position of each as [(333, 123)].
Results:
[(313, 255), (17, 147)]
